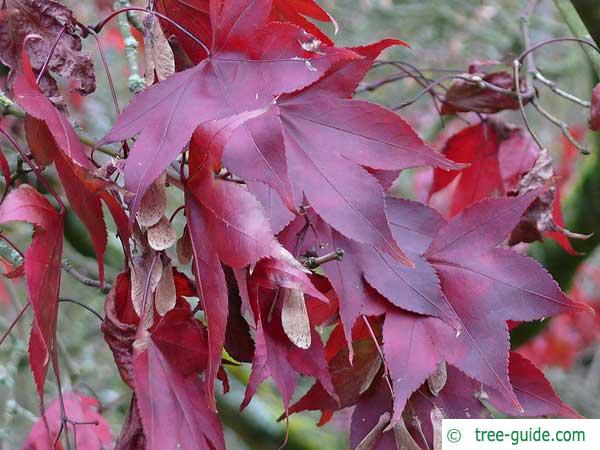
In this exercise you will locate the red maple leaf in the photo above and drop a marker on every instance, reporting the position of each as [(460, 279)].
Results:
[(42, 271), (497, 155), (250, 61), (324, 152)]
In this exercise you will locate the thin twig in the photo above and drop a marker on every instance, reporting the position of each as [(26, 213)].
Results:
[(477, 80), (539, 45), (83, 305), (525, 16), (83, 279), (554, 88), (516, 68), (313, 262), (564, 128)]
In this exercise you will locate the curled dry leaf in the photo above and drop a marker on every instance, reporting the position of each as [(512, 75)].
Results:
[(294, 318), (185, 252), (594, 120), (165, 296), (437, 380), (46, 19), (162, 235), (465, 96), (540, 217), (154, 203), (160, 62)]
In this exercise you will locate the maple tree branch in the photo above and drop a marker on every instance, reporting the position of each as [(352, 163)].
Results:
[(474, 79), (87, 281), (313, 262), (516, 68), (542, 44), (564, 128), (581, 206), (554, 88), (12, 254), (532, 74), (135, 82), (525, 16), (135, 21)]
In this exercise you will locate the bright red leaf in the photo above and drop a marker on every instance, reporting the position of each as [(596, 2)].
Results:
[(63, 146), (42, 271), (172, 405), (497, 155)]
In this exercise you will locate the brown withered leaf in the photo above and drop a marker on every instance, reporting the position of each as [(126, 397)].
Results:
[(154, 203), (185, 252), (165, 296), (162, 235), (45, 18), (539, 217), (294, 318), (594, 120), (158, 55), (465, 96)]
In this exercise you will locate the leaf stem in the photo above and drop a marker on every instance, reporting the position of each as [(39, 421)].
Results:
[(83, 305), (50, 53), (111, 85)]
